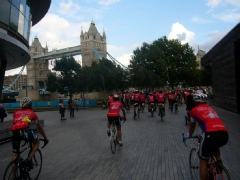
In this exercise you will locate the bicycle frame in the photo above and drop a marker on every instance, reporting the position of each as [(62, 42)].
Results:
[(213, 166)]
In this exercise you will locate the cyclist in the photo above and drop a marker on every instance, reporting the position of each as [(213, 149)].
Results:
[(150, 99), (173, 97), (161, 99), (142, 99), (214, 132), (110, 99), (136, 100), (114, 115), (21, 130), (127, 98)]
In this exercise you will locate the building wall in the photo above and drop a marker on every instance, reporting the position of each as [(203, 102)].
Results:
[(225, 77)]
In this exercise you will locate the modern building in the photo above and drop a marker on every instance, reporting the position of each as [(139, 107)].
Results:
[(92, 40), (224, 61), (16, 19)]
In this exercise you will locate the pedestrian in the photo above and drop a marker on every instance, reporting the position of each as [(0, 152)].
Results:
[(71, 106), (3, 112), (62, 109), (76, 103)]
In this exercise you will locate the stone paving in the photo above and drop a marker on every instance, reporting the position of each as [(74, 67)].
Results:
[(79, 147)]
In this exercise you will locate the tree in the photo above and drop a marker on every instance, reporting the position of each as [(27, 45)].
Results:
[(67, 69), (52, 83), (163, 62)]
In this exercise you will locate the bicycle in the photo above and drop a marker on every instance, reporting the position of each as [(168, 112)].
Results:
[(136, 113), (17, 169), (127, 106), (142, 106), (175, 106), (187, 118), (114, 136), (215, 169), (161, 110), (151, 109)]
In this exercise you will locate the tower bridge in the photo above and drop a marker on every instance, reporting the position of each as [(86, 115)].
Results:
[(70, 51), (37, 68)]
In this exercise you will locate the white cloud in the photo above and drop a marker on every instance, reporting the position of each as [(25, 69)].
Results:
[(178, 31), (108, 2), (213, 3), (229, 16), (214, 37), (57, 32), (69, 8), (200, 20)]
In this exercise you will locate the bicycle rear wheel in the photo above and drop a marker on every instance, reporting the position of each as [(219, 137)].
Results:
[(12, 171), (113, 142), (221, 173), (37, 165), (194, 164)]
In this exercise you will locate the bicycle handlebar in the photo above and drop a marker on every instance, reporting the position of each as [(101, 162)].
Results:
[(184, 138)]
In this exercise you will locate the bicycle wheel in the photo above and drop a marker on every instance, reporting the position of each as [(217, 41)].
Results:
[(194, 164), (37, 165), (12, 171), (138, 112), (220, 172), (113, 144), (161, 113)]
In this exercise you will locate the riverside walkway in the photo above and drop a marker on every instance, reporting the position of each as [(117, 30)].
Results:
[(152, 150)]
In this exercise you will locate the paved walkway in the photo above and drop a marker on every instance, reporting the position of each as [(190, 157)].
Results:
[(79, 147)]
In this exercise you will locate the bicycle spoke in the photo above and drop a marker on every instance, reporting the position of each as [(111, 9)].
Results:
[(37, 165)]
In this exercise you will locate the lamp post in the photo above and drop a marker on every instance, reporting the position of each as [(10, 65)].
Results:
[(43, 92)]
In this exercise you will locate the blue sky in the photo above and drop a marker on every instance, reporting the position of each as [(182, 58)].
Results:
[(129, 23)]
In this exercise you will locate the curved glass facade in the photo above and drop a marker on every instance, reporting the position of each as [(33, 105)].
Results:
[(16, 15)]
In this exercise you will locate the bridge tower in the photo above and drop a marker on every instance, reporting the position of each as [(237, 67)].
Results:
[(92, 40), (37, 70)]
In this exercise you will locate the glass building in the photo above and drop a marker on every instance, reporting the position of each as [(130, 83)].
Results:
[(16, 19)]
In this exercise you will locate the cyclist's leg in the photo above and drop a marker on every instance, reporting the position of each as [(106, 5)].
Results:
[(203, 169), (119, 129)]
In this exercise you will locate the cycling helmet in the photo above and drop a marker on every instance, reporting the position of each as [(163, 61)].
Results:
[(198, 99), (136, 91), (150, 93), (26, 102), (115, 97), (160, 91)]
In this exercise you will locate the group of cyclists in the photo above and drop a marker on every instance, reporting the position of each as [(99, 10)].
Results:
[(214, 132)]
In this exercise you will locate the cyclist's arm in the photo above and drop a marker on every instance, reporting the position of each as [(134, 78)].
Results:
[(124, 113), (41, 131), (192, 126)]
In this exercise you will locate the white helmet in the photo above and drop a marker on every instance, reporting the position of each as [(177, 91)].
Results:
[(25, 102), (115, 97), (198, 99)]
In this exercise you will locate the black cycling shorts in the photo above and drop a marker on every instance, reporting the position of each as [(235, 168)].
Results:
[(18, 135), (211, 142), (116, 119)]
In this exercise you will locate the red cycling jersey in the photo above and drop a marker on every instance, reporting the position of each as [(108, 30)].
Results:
[(22, 118), (127, 96), (142, 97), (160, 97), (150, 98), (136, 96), (207, 118), (114, 110), (110, 99)]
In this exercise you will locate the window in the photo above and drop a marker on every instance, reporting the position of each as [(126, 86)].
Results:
[(14, 18), (4, 11), (21, 23)]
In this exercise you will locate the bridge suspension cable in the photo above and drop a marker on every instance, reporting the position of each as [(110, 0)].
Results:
[(15, 80)]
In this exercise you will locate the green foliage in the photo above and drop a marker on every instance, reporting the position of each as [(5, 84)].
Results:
[(161, 62)]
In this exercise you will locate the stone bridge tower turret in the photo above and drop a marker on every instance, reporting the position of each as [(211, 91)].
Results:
[(92, 40)]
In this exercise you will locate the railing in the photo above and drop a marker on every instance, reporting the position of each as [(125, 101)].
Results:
[(84, 103)]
